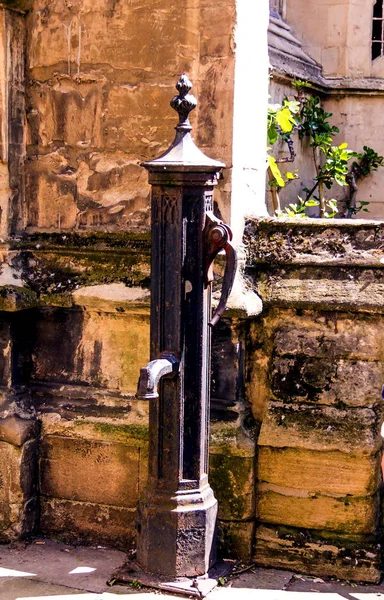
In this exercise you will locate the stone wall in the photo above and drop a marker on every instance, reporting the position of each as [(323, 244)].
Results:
[(85, 90), (100, 77), (314, 379)]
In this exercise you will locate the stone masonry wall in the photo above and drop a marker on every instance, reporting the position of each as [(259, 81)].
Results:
[(315, 375), (85, 90)]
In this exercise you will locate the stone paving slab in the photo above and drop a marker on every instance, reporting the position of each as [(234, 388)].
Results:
[(50, 570), (13, 588), (268, 579), (304, 585), (84, 568)]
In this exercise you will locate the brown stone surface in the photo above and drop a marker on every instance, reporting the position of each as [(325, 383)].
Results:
[(18, 489), (12, 122), (314, 242), (10, 464), (319, 472), (90, 471), (314, 378), (118, 420), (329, 335), (22, 5), (99, 103), (307, 553), (321, 264), (348, 514), (16, 431), (314, 427), (357, 383), (353, 383), (305, 288), (233, 481), (101, 349), (235, 539), (91, 523)]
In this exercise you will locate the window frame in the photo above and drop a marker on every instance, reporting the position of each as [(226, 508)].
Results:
[(375, 43)]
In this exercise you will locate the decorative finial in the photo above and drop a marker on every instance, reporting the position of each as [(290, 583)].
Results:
[(184, 103)]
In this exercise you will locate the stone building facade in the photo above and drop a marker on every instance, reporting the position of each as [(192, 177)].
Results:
[(297, 360)]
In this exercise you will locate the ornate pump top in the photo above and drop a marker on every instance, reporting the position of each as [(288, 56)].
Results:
[(184, 102), (183, 154)]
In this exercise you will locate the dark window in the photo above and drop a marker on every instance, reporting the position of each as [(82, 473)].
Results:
[(378, 30)]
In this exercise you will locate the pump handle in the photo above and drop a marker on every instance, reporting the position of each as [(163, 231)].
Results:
[(217, 237)]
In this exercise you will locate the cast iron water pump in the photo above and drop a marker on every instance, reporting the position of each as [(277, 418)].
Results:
[(178, 510)]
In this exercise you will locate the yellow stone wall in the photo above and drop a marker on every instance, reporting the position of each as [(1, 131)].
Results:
[(100, 78), (315, 366)]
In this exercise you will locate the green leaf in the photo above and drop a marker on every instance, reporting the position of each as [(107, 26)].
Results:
[(285, 120), (272, 134), (275, 171)]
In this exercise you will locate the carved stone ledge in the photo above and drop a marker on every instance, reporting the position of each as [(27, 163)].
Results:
[(336, 265), (287, 55)]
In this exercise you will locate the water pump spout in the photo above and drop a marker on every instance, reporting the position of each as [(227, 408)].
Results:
[(151, 374)]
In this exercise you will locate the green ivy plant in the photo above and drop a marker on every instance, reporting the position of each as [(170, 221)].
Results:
[(282, 120), (332, 162), (367, 162), (298, 210)]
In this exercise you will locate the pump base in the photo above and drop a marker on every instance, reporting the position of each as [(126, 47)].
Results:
[(198, 587), (177, 534)]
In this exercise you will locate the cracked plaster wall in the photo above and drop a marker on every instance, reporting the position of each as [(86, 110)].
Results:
[(99, 79)]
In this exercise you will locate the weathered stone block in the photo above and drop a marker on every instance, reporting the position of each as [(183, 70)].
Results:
[(22, 5), (300, 377), (225, 363), (16, 431), (235, 539), (18, 489), (87, 522), (102, 349), (348, 514), (5, 520), (306, 552), (232, 480), (319, 472), (315, 427), (331, 337), (231, 438), (97, 472), (356, 383), (314, 242), (326, 380), (29, 470), (10, 461)]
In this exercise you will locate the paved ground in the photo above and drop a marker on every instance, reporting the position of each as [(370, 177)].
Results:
[(49, 570)]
